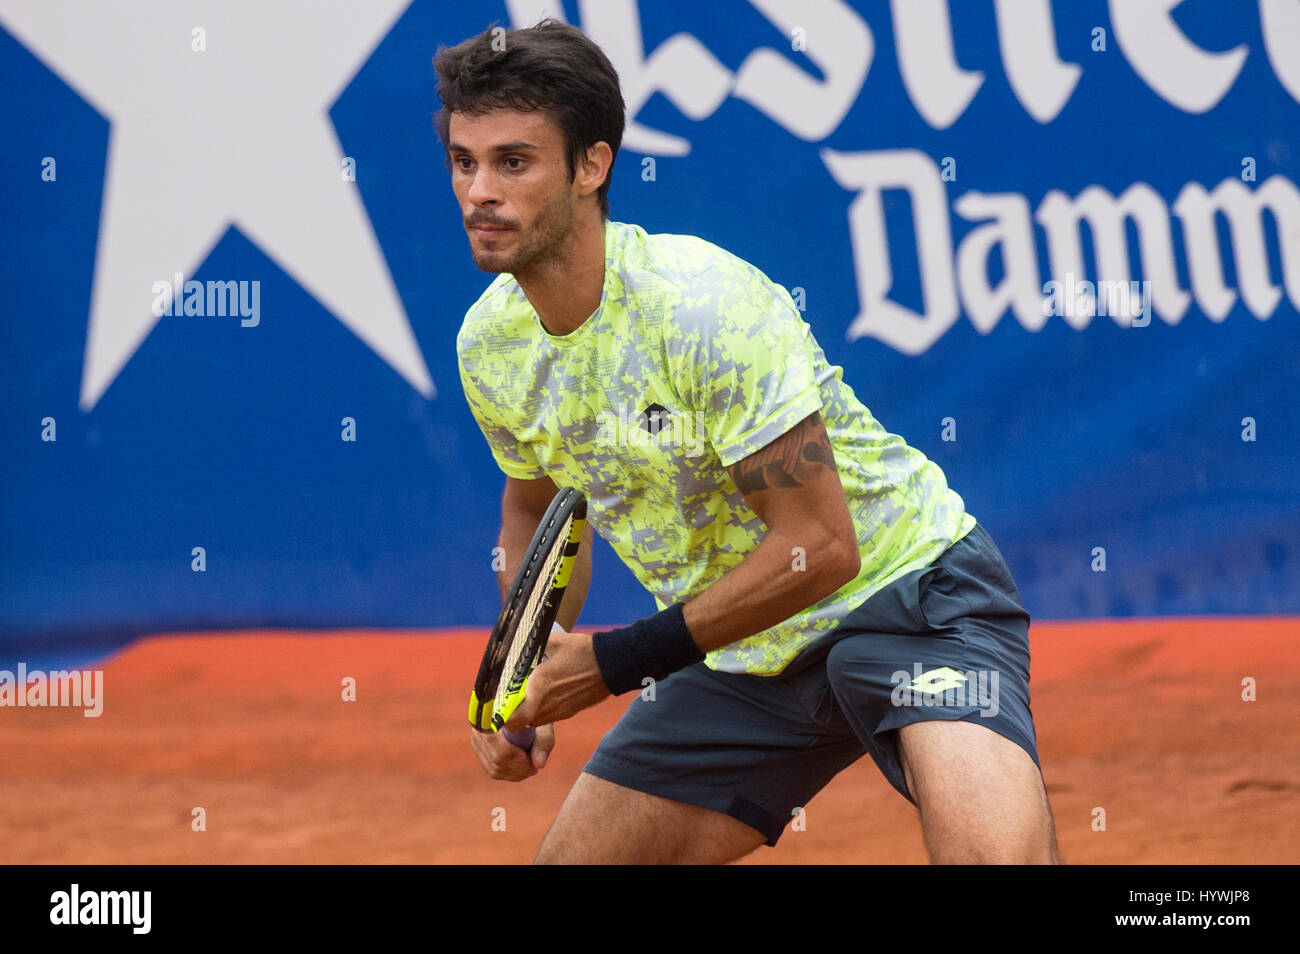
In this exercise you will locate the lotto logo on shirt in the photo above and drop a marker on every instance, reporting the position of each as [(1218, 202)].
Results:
[(654, 425)]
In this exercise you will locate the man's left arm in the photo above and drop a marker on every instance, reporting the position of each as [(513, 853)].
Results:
[(794, 486)]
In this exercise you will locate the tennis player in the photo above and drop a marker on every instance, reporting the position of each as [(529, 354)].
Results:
[(823, 594)]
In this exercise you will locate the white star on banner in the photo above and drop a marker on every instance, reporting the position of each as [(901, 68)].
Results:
[(238, 134)]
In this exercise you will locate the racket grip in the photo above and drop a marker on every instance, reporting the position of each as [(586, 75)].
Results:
[(524, 738)]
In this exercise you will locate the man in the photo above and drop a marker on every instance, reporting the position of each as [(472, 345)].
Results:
[(816, 576)]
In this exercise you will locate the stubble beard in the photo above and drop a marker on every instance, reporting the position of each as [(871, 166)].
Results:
[(542, 245)]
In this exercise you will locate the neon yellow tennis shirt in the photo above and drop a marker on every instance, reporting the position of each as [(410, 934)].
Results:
[(693, 360)]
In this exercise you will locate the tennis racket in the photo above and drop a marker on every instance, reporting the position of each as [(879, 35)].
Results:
[(519, 637)]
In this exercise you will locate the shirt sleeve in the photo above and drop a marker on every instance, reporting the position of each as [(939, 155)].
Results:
[(516, 459), (741, 356)]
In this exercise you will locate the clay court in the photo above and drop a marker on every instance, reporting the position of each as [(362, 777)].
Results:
[(1144, 719)]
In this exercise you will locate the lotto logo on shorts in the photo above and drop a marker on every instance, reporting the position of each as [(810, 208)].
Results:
[(976, 688)]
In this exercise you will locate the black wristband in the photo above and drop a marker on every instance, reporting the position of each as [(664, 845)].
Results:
[(653, 647)]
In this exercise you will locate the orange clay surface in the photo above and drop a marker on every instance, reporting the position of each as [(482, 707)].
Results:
[(1144, 719)]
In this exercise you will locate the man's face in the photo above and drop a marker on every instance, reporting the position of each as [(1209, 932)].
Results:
[(511, 177)]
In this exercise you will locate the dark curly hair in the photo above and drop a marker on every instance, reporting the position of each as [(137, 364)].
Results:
[(552, 67)]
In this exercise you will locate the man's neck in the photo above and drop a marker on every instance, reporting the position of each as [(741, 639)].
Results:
[(565, 290)]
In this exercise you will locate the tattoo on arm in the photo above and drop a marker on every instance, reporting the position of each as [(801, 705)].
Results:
[(791, 460)]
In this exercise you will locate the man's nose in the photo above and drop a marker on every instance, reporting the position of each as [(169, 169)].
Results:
[(484, 188)]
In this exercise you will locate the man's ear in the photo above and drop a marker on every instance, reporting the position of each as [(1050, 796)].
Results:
[(594, 168)]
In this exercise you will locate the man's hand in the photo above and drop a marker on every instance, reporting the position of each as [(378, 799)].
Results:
[(504, 760), (567, 681)]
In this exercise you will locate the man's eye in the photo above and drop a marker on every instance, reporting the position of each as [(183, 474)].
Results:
[(464, 163), (514, 162)]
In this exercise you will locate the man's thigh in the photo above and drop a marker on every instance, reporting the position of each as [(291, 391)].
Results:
[(604, 823), (747, 749), (981, 797)]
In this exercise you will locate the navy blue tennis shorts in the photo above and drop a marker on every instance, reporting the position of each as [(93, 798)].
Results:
[(950, 641)]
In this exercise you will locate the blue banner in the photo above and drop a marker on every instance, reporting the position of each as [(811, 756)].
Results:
[(1055, 246)]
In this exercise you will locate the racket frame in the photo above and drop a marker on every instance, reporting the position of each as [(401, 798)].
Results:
[(484, 715)]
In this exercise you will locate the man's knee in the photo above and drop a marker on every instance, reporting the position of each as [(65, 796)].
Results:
[(560, 849), (604, 823)]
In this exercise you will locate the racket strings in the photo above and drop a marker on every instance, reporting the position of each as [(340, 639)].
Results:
[(525, 638)]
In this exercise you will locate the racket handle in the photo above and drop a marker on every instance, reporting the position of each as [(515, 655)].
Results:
[(524, 738)]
